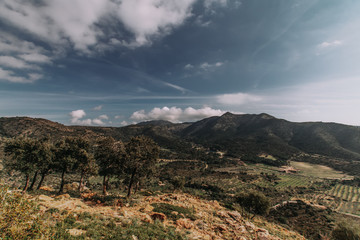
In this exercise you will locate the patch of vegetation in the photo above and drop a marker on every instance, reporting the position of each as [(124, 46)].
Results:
[(21, 219), (254, 202), (344, 231), (174, 212)]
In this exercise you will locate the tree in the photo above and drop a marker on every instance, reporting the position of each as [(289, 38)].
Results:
[(109, 156), (254, 202), (22, 156), (46, 160), (85, 162), (64, 157), (141, 158)]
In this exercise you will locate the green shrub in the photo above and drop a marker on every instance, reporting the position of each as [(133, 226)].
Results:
[(19, 218), (254, 202), (178, 182), (343, 231)]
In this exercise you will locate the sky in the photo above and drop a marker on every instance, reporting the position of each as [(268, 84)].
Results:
[(120, 62)]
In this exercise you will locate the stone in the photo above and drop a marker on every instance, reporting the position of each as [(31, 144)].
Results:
[(45, 198), (185, 223), (146, 218), (264, 236), (160, 216), (222, 214), (47, 188), (235, 215), (66, 195), (76, 232), (221, 227), (148, 208)]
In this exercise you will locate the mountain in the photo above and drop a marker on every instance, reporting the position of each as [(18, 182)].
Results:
[(235, 134)]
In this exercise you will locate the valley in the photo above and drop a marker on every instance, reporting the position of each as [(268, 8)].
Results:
[(206, 169)]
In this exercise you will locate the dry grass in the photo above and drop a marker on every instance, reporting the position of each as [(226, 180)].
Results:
[(319, 171)]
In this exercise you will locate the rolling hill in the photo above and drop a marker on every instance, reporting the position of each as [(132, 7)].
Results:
[(327, 143)]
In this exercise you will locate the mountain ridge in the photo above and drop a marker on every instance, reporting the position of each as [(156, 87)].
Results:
[(235, 134)]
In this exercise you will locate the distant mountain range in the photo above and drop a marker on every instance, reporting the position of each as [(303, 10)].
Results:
[(236, 135)]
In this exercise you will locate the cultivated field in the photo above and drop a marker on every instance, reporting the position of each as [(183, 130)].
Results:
[(347, 198), (319, 171)]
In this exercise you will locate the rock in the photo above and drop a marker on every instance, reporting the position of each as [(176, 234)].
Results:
[(134, 237), (222, 214), (159, 216), (47, 188), (200, 224), (76, 232), (264, 236), (221, 227), (148, 208), (242, 229), (146, 218), (71, 187), (215, 204), (250, 225), (63, 196), (45, 198), (185, 223), (235, 215)]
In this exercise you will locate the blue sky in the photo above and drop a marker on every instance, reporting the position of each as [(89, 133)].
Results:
[(117, 62)]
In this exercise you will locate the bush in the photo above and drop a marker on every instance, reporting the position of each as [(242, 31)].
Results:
[(19, 218), (178, 182), (343, 231), (254, 202)]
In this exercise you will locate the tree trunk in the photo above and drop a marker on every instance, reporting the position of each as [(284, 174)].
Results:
[(62, 181), (104, 186), (81, 181), (26, 183), (41, 180), (33, 181), (131, 182)]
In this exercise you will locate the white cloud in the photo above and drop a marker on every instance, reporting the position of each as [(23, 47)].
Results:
[(175, 114), (12, 62), (78, 115), (118, 116), (124, 123), (98, 108), (10, 76), (148, 18), (76, 21), (104, 117), (181, 89), (209, 3), (36, 58), (98, 121), (330, 44), (237, 98), (188, 66), (207, 66)]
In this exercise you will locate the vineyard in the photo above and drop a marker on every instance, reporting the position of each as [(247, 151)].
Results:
[(347, 198), (341, 198)]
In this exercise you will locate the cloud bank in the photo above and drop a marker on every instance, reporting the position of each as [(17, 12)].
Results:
[(77, 117), (175, 114)]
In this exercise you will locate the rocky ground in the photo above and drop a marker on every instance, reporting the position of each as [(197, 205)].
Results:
[(209, 219)]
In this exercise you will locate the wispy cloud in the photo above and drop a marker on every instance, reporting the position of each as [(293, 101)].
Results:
[(98, 108), (237, 98), (334, 43)]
